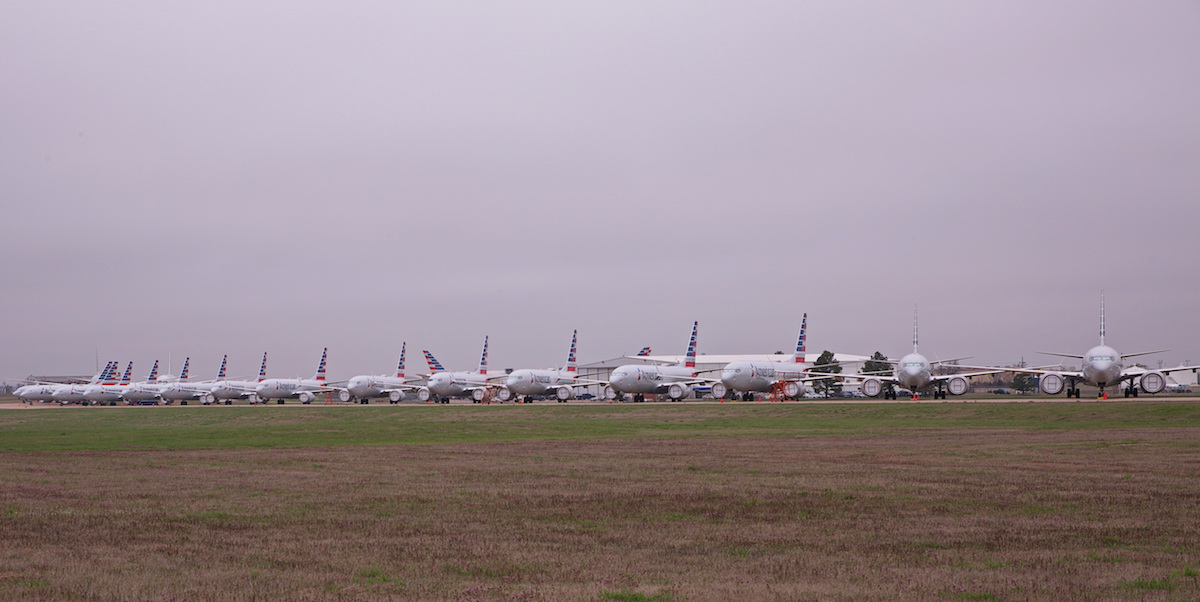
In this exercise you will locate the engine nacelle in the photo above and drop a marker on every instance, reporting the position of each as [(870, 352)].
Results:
[(1051, 384), (306, 397), (504, 395), (424, 394), (564, 393), (610, 393), (956, 385), (478, 395), (395, 396), (1153, 382), (719, 390), (209, 398), (872, 387), (344, 396), (679, 391), (791, 389)]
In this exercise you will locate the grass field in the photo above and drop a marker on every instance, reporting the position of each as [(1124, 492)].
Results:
[(960, 501)]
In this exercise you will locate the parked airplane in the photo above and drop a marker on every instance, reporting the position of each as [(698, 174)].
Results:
[(364, 388), (184, 390), (753, 376), (915, 373), (228, 390), (305, 390), (66, 394), (42, 391), (675, 380), (1103, 367), (443, 384), (104, 393), (561, 382), (147, 390)]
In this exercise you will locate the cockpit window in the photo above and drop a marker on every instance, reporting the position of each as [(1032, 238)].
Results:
[(913, 365)]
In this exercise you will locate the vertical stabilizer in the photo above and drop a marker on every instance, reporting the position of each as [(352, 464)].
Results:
[(434, 364), (914, 327), (802, 340), (221, 372), (645, 351), (690, 359), (183, 375), (153, 373), (571, 366), (483, 358), (1101, 317), (400, 366), (262, 370), (320, 375), (128, 376)]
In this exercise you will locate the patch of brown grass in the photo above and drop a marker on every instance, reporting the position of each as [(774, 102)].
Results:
[(965, 515)]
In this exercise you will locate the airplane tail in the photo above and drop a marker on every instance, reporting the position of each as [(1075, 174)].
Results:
[(320, 375), (571, 366), (184, 374), (434, 365), (400, 366), (914, 328), (153, 373), (262, 370), (125, 379), (483, 358), (103, 375), (802, 340), (644, 352), (221, 372), (690, 361), (1101, 317)]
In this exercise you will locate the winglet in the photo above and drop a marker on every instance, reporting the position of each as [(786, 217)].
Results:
[(571, 366), (320, 375), (690, 362), (802, 340), (400, 366), (262, 370)]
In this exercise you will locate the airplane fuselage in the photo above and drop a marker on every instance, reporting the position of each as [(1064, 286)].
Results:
[(1102, 366), (538, 382), (37, 392), (455, 384), (759, 377), (914, 372), (287, 388), (367, 387), (232, 389), (648, 378)]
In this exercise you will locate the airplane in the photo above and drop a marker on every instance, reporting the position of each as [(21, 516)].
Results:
[(147, 390), (674, 380), (304, 389), (102, 393), (756, 376), (66, 394), (561, 382), (1102, 367), (915, 373), (363, 388), (182, 390), (43, 391), (228, 390), (443, 384)]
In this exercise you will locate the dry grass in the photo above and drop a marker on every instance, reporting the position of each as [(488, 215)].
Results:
[(945, 514)]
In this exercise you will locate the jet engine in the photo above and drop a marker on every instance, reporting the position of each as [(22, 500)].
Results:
[(306, 397), (719, 390), (1051, 384), (1152, 382), (209, 398), (679, 391), (395, 396), (477, 395), (344, 396), (791, 389), (504, 395), (564, 393), (872, 387), (956, 385), (424, 394), (610, 393)]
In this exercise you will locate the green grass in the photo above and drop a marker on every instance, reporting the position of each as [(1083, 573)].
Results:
[(118, 429)]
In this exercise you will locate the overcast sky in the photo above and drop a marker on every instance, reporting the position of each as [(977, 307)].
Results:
[(218, 177)]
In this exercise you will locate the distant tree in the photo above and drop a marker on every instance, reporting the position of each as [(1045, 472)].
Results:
[(825, 363), (877, 365), (1023, 382)]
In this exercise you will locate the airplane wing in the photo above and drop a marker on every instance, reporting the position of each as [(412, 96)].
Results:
[(1070, 355), (1144, 353), (649, 360), (1063, 373), (941, 377)]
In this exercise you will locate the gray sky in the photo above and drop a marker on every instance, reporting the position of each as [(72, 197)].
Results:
[(232, 177)]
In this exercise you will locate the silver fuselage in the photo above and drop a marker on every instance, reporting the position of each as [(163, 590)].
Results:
[(759, 377), (538, 382), (914, 372), (368, 387), (648, 378), (287, 388), (1102, 366), (455, 384)]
